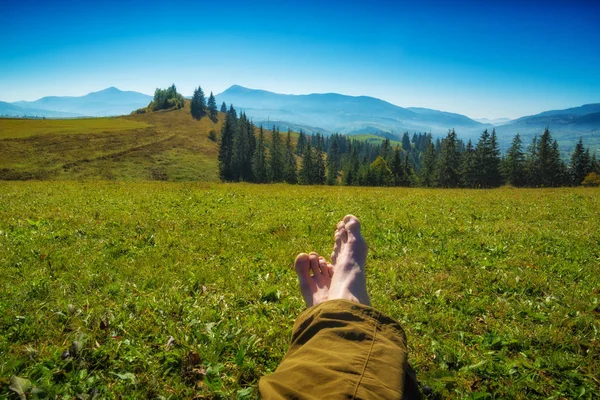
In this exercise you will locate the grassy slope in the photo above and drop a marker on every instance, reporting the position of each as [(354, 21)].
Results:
[(374, 139), (22, 128), (497, 290), (159, 146)]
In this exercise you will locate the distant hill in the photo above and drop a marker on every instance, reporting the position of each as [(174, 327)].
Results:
[(107, 102), (12, 110), (566, 126), (582, 110), (332, 112), (495, 121)]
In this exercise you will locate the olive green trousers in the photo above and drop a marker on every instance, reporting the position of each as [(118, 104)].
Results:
[(343, 350)]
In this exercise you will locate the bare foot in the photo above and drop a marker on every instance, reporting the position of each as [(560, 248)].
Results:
[(315, 287), (349, 257)]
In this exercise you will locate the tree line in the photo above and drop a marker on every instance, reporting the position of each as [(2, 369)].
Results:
[(200, 107), (245, 155)]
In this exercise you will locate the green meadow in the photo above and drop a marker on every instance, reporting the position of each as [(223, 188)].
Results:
[(186, 290), (155, 146)]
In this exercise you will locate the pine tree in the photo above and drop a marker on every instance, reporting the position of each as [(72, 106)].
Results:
[(212, 107), (366, 176), (580, 164), (594, 165), (194, 104), (198, 104), (224, 108), (514, 163), (243, 150), (549, 164), (494, 175), (446, 174), (438, 145), (532, 163), (319, 171), (226, 167), (427, 173), (333, 163), (301, 145), (487, 161), (406, 142), (232, 112), (557, 167), (307, 166), (351, 171), (468, 168), (276, 159), (291, 175), (385, 149), (409, 173), (397, 168), (259, 161)]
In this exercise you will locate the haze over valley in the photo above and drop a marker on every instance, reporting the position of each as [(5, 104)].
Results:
[(329, 113)]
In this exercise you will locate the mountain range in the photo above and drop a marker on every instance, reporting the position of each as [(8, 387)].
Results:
[(328, 113), (331, 112), (107, 102)]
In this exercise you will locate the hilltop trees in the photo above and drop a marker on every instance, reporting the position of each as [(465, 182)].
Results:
[(223, 107), (198, 104), (166, 98), (212, 107)]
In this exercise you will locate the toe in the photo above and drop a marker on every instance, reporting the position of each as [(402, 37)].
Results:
[(337, 245), (343, 237), (338, 237), (302, 266), (323, 267), (307, 284), (314, 265), (352, 226)]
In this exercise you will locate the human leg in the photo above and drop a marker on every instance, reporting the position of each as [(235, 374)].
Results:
[(341, 347)]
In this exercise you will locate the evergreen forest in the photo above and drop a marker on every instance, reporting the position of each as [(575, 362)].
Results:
[(419, 160)]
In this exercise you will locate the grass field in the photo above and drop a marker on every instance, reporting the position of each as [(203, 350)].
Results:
[(497, 290), (22, 128), (155, 146)]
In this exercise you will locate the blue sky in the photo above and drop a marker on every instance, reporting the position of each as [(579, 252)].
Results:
[(478, 58)]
